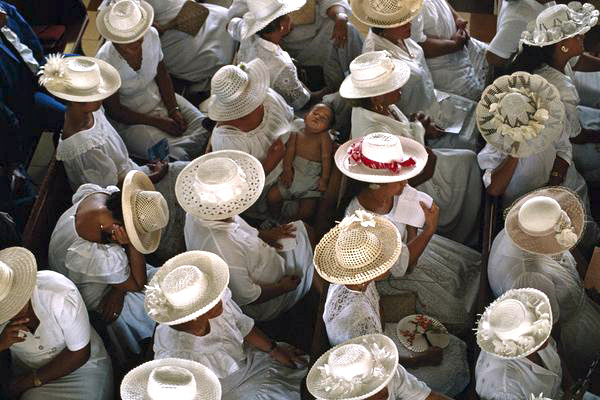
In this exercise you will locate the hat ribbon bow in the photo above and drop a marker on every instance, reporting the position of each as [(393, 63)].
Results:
[(355, 152)]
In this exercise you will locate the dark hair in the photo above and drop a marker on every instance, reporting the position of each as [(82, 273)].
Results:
[(353, 189), (531, 58), (332, 119), (114, 205), (271, 27), (377, 31)]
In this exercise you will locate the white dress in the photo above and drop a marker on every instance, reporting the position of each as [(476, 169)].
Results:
[(456, 182), (139, 92), (349, 314), (252, 262), (94, 267), (244, 371), (64, 324), (577, 315), (445, 279)]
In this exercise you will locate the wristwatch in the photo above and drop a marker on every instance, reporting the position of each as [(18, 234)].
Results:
[(36, 380), (556, 174)]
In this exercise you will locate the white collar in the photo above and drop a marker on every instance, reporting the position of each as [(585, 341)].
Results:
[(538, 7), (270, 46), (219, 225)]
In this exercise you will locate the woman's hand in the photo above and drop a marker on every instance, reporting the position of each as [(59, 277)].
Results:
[(289, 282), (272, 236), (431, 217), (112, 305), (276, 150), (340, 30), (461, 24), (288, 356), (287, 177), (431, 357), (177, 116), (11, 333), (460, 38), (168, 125), (119, 235), (323, 183), (18, 385), (432, 131), (158, 170)]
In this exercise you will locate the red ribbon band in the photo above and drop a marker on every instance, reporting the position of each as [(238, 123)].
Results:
[(355, 152)]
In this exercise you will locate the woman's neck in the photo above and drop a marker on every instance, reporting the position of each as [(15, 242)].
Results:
[(560, 63), (379, 108), (272, 37), (358, 288), (376, 201), (197, 327), (76, 121)]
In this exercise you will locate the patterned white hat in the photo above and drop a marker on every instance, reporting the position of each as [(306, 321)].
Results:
[(125, 21), (79, 79), (374, 73), (560, 22), (520, 114), (262, 12), (516, 324), (356, 369), (418, 332), (186, 287), (18, 277), (220, 185), (236, 91), (385, 13), (171, 379)]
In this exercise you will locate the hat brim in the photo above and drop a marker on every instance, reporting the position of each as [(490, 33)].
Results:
[(569, 202), (103, 29), (251, 25), (363, 12), (418, 346), (144, 242), (397, 79), (24, 267)]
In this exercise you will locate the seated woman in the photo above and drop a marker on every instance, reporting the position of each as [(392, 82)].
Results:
[(146, 109), (55, 353), (533, 252), (353, 308), (264, 282), (99, 243), (198, 321)]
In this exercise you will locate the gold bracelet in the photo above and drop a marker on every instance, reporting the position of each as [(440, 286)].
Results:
[(36, 380), (556, 174)]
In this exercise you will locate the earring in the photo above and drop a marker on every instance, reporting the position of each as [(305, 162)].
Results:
[(379, 108), (101, 227), (564, 49)]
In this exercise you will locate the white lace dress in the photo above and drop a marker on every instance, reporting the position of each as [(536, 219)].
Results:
[(349, 314)]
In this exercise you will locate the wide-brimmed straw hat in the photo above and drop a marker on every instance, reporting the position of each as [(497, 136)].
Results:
[(262, 12), (125, 21), (145, 211), (374, 73), (220, 185), (546, 221), (236, 91), (359, 249), (18, 277), (560, 22), (79, 79), (520, 114), (186, 287), (171, 379), (356, 369), (385, 13), (381, 157), (516, 324)]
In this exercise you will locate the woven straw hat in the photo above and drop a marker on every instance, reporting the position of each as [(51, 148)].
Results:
[(374, 73), (238, 90), (79, 79), (417, 331), (357, 250), (262, 12), (125, 21), (516, 324), (520, 114), (185, 287), (171, 379), (560, 22), (381, 157), (220, 185), (145, 212), (385, 13), (546, 221), (356, 369), (18, 276)]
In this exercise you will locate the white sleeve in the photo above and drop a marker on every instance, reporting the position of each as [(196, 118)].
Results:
[(506, 41), (243, 322), (540, 282), (74, 321), (89, 262), (401, 265), (324, 5), (417, 29), (404, 386), (222, 141), (237, 9), (489, 158), (234, 28), (155, 38), (290, 88), (563, 146), (93, 166)]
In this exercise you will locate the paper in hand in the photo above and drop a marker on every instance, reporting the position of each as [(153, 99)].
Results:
[(408, 209), (288, 244), (159, 151)]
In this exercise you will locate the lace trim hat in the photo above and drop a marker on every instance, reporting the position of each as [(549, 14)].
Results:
[(520, 114), (262, 12), (125, 21), (18, 277), (385, 13)]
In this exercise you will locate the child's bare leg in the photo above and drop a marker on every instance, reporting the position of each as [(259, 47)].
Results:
[(306, 209), (274, 201)]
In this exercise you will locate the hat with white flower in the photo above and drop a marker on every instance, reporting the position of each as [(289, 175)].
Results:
[(520, 114), (560, 22)]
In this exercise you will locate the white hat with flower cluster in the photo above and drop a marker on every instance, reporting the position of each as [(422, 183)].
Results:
[(262, 12)]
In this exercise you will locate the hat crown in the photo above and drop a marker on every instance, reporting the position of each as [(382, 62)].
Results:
[(150, 210), (382, 147), (229, 83), (516, 108), (539, 215), (553, 17), (168, 381), (357, 247), (510, 318), (219, 179), (125, 15), (184, 285), (387, 8), (82, 74), (6, 279), (351, 361), (371, 69), (264, 8)]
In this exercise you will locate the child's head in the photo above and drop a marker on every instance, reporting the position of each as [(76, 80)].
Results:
[(319, 118)]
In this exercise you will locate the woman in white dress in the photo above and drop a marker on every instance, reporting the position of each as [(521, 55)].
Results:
[(146, 109), (198, 321), (55, 353)]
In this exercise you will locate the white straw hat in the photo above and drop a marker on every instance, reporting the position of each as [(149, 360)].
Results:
[(236, 91), (79, 79), (416, 333), (385, 13), (381, 157), (171, 379), (516, 324), (356, 369), (262, 12), (546, 221), (220, 185), (560, 22), (18, 277), (186, 287), (125, 21), (374, 73), (145, 211), (520, 114), (359, 249)]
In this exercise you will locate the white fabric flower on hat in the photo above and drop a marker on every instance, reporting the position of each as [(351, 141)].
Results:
[(155, 300), (365, 218), (53, 74)]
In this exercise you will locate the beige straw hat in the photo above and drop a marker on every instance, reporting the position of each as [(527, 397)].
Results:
[(516, 324), (546, 221), (356, 369), (262, 12), (359, 249), (125, 21), (18, 277), (385, 13), (171, 379), (145, 211), (186, 287)]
